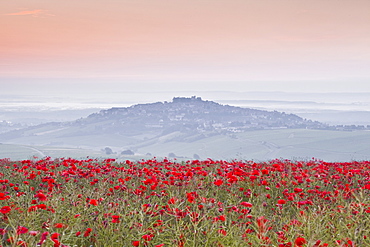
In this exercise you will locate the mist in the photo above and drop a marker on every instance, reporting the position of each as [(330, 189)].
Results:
[(53, 99)]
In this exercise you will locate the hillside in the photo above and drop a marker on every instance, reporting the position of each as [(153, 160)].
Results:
[(189, 116), (193, 114), (193, 128)]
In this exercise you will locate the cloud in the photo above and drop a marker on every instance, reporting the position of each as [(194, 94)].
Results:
[(33, 13)]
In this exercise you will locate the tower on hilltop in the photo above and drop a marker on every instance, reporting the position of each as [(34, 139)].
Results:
[(185, 99)]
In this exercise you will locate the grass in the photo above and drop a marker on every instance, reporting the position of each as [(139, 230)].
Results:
[(268, 144), (17, 152), (68, 202), (258, 145)]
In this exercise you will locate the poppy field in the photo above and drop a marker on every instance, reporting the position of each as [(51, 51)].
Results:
[(69, 202)]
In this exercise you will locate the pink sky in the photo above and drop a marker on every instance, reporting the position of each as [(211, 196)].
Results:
[(218, 41)]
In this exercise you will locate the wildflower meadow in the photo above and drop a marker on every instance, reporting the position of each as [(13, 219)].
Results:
[(69, 202)]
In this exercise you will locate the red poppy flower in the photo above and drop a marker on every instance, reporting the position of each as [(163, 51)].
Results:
[(32, 208), (2, 231), (41, 197), (22, 230), (190, 198), (33, 233), (115, 218), (246, 204), (297, 190), (22, 243), (87, 232), (147, 237), (93, 202), (281, 201), (218, 182), (172, 200), (43, 238), (54, 236), (4, 197), (135, 243), (42, 206), (59, 225), (300, 241), (5, 209)]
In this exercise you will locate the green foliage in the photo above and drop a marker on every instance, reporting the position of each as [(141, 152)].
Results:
[(193, 203)]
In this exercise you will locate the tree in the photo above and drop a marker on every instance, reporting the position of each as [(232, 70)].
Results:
[(108, 150), (127, 152), (171, 155), (196, 157)]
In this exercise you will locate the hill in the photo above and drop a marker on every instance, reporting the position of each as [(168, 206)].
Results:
[(193, 128), (189, 116), (193, 114)]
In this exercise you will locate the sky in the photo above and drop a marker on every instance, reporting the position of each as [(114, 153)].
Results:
[(153, 45)]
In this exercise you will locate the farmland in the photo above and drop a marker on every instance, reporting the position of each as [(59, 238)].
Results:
[(259, 145), (69, 202)]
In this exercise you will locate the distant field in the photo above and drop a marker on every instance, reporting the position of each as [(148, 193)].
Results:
[(258, 145), (271, 144), (21, 152), (17, 152)]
